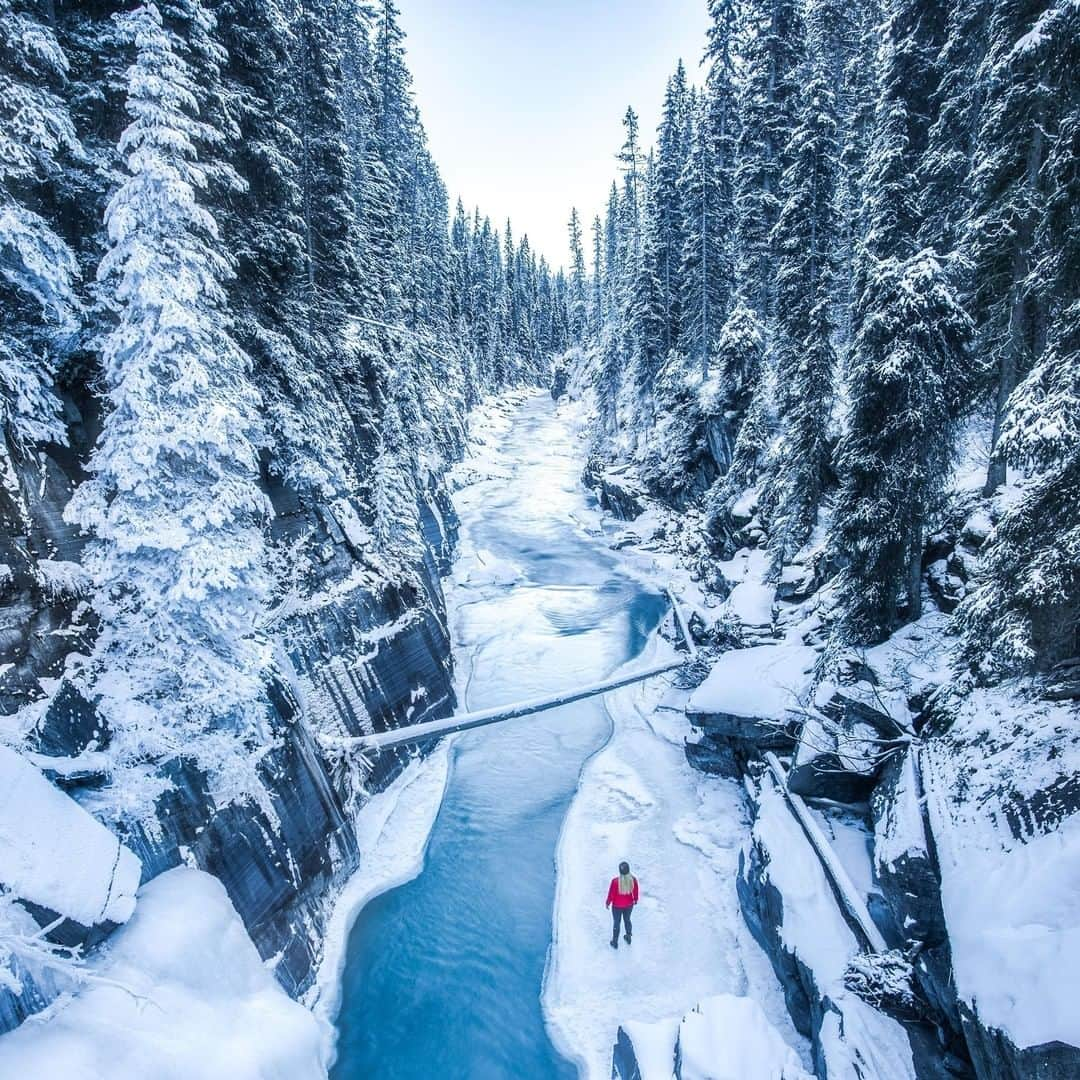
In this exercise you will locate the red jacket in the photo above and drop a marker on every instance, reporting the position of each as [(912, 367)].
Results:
[(621, 900)]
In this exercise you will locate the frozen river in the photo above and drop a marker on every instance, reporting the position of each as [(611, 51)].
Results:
[(443, 975)]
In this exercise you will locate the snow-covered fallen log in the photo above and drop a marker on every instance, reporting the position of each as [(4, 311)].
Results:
[(853, 904)]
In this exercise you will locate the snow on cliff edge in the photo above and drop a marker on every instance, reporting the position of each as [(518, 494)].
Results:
[(180, 994), (1001, 794)]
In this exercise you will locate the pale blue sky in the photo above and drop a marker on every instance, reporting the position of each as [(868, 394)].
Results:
[(523, 99)]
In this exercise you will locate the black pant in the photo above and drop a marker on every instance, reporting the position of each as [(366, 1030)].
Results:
[(623, 913)]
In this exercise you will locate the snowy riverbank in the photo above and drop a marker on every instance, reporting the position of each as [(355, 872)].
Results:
[(392, 830), (682, 832)]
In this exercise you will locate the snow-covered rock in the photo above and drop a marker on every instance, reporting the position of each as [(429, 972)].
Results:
[(835, 761), (725, 1037), (907, 873), (751, 602), (618, 489), (1004, 806), (181, 995), (55, 855), (765, 683), (730, 1038), (789, 906), (751, 701)]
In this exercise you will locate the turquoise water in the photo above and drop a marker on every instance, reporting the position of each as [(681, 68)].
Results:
[(443, 975)]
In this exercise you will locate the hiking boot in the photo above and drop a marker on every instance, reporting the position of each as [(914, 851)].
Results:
[(626, 938), (614, 943)]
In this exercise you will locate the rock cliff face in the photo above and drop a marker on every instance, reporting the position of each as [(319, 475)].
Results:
[(359, 654), (952, 811)]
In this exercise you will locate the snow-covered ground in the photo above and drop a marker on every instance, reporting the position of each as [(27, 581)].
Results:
[(179, 994), (682, 833)]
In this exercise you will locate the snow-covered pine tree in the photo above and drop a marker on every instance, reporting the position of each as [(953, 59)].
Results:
[(770, 58), (734, 404), (173, 498), (597, 314), (611, 255), (667, 218), (946, 193), (706, 195), (394, 496), (38, 270), (578, 300), (628, 240), (94, 93), (856, 114), (311, 435), (646, 320), (511, 323), (803, 243), (483, 302), (330, 228), (463, 299), (1024, 614), (1007, 202), (907, 370)]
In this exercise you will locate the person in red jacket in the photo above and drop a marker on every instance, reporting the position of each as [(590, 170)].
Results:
[(622, 895)]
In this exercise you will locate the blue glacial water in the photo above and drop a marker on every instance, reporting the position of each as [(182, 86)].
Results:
[(443, 975)]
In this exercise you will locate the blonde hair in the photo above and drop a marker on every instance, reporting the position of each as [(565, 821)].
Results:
[(626, 879)]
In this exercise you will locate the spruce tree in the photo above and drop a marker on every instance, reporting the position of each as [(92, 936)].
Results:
[(173, 497), (311, 434), (771, 55), (1008, 200), (907, 371), (1024, 614), (578, 301), (735, 428), (667, 218), (39, 310), (597, 313), (646, 316), (804, 254)]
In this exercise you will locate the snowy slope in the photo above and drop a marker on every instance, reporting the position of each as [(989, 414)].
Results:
[(1008, 840), (180, 995)]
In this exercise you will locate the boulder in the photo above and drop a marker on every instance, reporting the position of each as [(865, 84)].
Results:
[(624, 1062), (750, 702), (996, 1058), (65, 870), (620, 495), (864, 703), (70, 726), (835, 761), (714, 756), (797, 583)]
